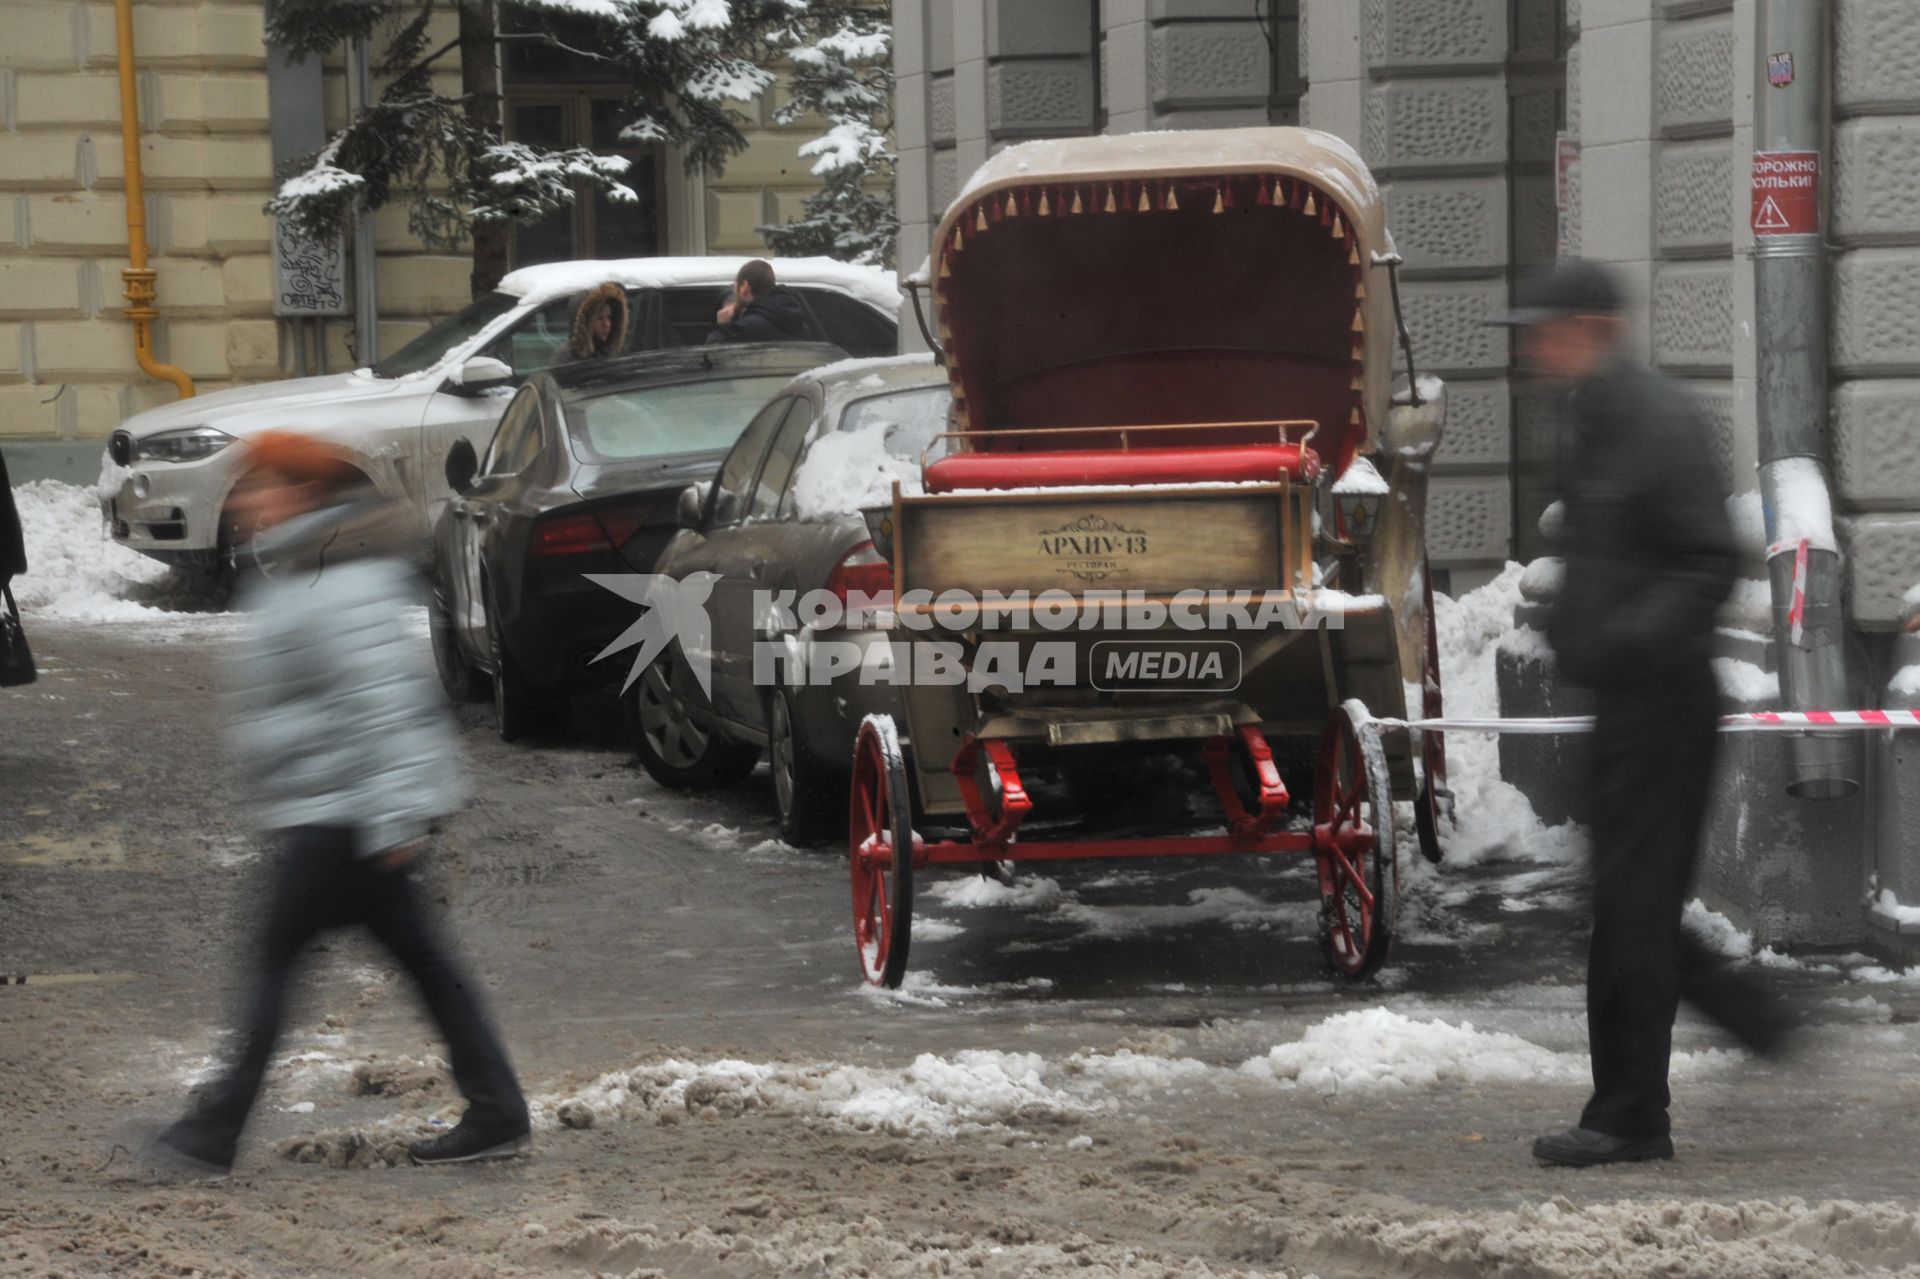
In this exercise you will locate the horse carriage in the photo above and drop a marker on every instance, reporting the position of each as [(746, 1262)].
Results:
[(1181, 479)]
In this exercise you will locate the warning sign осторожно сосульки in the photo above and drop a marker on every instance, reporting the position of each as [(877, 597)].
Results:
[(1786, 193)]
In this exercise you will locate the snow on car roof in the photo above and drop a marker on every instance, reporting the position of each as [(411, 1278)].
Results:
[(871, 284)]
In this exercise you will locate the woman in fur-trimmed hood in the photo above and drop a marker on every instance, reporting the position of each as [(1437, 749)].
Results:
[(599, 325)]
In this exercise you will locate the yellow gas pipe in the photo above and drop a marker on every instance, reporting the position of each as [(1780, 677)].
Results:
[(139, 276)]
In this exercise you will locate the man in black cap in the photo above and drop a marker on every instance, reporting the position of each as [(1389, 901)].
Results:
[(1650, 557)]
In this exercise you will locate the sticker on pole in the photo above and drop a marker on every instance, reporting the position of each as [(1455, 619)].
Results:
[(1786, 193)]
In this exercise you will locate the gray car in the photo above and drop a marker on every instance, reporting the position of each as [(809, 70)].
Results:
[(783, 515)]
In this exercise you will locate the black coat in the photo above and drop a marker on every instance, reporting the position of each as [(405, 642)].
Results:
[(13, 543), (1649, 546), (773, 316)]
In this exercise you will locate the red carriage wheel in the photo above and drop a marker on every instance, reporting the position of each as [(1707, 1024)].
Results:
[(1434, 801), (880, 851), (1353, 844)]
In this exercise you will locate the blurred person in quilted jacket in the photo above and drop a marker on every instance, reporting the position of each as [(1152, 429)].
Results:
[(337, 722)]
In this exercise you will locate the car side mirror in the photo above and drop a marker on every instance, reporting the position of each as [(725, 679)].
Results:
[(482, 372), (462, 465), (691, 506)]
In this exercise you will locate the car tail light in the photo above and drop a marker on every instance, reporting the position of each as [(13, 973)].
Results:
[(574, 534), (582, 532), (863, 573)]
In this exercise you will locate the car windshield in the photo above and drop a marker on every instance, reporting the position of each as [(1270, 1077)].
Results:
[(655, 421), (426, 350)]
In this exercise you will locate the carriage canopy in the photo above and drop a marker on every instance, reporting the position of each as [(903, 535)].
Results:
[(1226, 276)]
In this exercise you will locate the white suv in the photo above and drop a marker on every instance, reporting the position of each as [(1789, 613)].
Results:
[(168, 472)]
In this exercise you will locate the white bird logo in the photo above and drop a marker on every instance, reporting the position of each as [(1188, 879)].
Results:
[(676, 610)]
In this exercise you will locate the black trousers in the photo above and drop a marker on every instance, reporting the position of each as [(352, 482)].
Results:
[(320, 884), (1653, 752)]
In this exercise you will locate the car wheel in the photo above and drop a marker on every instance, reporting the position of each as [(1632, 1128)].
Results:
[(675, 731), (809, 797), (462, 680), (521, 709)]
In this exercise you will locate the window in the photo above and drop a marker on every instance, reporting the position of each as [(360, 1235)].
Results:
[(738, 471), (531, 345), (880, 438), (686, 315), (655, 421), (517, 441), (430, 347), (772, 484), (854, 327)]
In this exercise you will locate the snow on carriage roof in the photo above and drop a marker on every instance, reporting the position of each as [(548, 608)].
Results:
[(1326, 159), (871, 284)]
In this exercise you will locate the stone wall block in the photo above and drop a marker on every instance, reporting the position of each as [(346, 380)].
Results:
[(1883, 563), (1876, 48), (1431, 34), (1469, 519), (1449, 224), (1040, 96), (34, 287), (1693, 77), (72, 221), (946, 179), (942, 122), (25, 412), (71, 100), (1479, 425), (1206, 64), (1693, 316), (1876, 181), (1876, 444), (1023, 29), (1440, 124), (1876, 312), (40, 36), (82, 349), (1447, 321), (1693, 197)]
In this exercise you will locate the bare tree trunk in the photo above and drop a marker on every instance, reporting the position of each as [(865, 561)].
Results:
[(478, 80)]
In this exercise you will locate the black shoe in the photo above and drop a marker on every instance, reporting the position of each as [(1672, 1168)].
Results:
[(177, 1156), (468, 1142), (1583, 1148)]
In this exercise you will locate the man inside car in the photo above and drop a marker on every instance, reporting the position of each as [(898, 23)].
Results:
[(760, 309)]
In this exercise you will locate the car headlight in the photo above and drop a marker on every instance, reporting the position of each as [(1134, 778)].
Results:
[(189, 445)]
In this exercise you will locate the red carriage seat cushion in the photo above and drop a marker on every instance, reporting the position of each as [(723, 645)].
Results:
[(1062, 468)]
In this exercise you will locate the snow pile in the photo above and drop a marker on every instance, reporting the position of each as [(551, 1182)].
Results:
[(933, 1097), (850, 471), (1029, 892), (1802, 510), (1360, 479), (1708, 1240), (76, 573), (1888, 905), (1723, 937), (1495, 819), (1377, 1048), (1746, 682)]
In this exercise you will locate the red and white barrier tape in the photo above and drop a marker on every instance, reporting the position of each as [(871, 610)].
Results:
[(1797, 611), (1748, 722)]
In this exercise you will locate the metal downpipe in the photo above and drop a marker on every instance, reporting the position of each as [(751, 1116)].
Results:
[(139, 276), (1791, 124)]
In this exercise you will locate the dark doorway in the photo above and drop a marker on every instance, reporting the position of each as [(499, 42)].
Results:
[(1537, 116)]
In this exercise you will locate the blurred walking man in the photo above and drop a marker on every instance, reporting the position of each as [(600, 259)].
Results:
[(339, 724), (1650, 557)]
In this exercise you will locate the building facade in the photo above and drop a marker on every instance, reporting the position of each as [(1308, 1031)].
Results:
[(1503, 132), (206, 94)]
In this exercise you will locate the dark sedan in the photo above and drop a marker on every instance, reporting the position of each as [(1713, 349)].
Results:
[(582, 476)]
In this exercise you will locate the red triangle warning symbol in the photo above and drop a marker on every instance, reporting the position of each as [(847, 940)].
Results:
[(1769, 218)]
